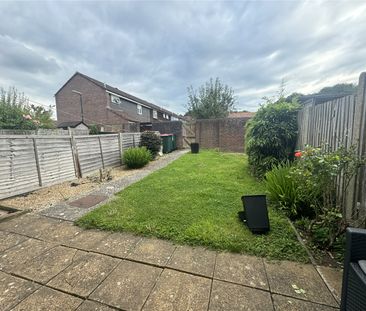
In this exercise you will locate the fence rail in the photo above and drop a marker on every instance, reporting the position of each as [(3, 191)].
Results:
[(340, 122), (31, 162)]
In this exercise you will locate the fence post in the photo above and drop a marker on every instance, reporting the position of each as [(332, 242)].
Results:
[(101, 151), (360, 127), (37, 161), (75, 157), (120, 146)]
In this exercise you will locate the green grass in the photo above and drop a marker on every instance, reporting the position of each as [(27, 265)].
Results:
[(195, 201)]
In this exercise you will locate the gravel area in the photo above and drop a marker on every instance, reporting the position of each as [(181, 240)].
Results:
[(70, 190)]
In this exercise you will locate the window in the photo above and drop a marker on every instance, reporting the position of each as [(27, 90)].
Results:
[(115, 99), (155, 114), (139, 109), (164, 115)]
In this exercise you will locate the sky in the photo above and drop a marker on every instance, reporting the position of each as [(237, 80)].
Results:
[(155, 49)]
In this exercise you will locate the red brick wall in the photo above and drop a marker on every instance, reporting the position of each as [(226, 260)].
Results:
[(224, 134), (95, 101)]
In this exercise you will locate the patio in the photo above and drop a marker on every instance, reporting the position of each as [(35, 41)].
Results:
[(49, 264)]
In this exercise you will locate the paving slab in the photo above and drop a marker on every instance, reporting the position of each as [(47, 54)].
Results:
[(153, 251), (196, 260), (179, 291), (333, 278), (128, 286), (87, 239), (282, 303), (47, 265), (47, 299), (84, 274), (231, 297), (298, 281), (8, 240), (241, 269), (22, 252), (13, 290), (61, 232), (29, 225), (88, 305), (117, 244)]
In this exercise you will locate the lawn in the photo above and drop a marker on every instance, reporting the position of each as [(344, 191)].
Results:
[(195, 201)]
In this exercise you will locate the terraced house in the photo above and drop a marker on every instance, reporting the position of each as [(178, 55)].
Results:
[(87, 100)]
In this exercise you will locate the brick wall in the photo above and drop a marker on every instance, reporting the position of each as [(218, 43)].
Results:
[(95, 102), (170, 127), (224, 134)]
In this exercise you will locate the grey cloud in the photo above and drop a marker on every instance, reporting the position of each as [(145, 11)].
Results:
[(156, 49)]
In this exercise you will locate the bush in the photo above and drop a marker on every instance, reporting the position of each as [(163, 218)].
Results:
[(282, 189), (136, 157), (151, 141), (308, 188), (271, 136)]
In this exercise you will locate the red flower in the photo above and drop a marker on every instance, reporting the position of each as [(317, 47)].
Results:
[(298, 154)]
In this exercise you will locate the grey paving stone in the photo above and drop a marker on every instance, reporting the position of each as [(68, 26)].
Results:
[(282, 303), (299, 281), (47, 265), (8, 240), (86, 272), (47, 299), (333, 278), (13, 290), (93, 306), (241, 269), (153, 251), (22, 252), (30, 225), (61, 232), (128, 286), (195, 260), (232, 297), (87, 239), (179, 291), (117, 244)]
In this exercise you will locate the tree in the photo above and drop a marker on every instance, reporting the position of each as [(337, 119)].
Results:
[(211, 100), (16, 113), (341, 88)]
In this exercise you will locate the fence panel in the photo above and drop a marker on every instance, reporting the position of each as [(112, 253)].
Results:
[(89, 153), (340, 122), (28, 163), (18, 169), (55, 160)]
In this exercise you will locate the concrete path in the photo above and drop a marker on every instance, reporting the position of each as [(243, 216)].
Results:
[(50, 264), (65, 211)]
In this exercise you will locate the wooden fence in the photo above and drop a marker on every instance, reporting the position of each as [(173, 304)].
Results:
[(340, 122), (40, 131), (28, 163)]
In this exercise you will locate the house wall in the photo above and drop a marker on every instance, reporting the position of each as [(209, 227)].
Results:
[(94, 102), (131, 110)]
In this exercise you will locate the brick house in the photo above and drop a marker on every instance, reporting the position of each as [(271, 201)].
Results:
[(106, 106)]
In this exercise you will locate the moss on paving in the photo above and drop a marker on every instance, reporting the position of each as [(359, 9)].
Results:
[(195, 201)]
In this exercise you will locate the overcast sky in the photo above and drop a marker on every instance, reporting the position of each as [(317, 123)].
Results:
[(155, 50)]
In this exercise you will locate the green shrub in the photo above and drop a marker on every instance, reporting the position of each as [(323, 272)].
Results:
[(271, 136), (151, 141), (308, 188), (136, 157), (282, 189)]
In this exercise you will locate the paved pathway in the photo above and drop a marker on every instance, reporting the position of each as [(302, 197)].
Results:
[(50, 264)]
